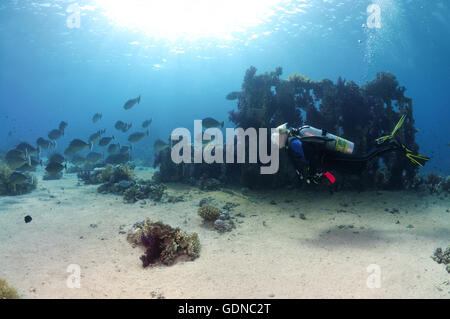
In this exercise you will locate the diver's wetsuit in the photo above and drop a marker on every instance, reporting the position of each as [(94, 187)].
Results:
[(310, 156)]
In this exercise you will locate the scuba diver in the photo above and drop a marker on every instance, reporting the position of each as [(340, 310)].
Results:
[(314, 152)]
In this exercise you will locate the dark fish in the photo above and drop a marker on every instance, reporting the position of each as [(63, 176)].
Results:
[(136, 137), (77, 145), (45, 144), (146, 123), (26, 148), (105, 141), (112, 148), (55, 168), (209, 122), (78, 160), (97, 117), (17, 178), (127, 127), (17, 158), (130, 103), (121, 126), (69, 152), (125, 149), (233, 96), (28, 219), (116, 159), (160, 145), (55, 134), (93, 157), (31, 165), (96, 136), (62, 127), (57, 158)]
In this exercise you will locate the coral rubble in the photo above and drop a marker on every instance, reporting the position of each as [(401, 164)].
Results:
[(219, 219), (163, 244), (442, 257), (120, 180)]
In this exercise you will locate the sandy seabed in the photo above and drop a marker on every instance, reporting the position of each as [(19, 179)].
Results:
[(287, 244)]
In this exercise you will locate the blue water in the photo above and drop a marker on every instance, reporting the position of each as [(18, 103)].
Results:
[(50, 72)]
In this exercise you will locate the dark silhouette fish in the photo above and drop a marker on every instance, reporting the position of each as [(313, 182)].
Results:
[(44, 144), (56, 158), (77, 145), (55, 168), (55, 134), (62, 126), (130, 103), (121, 126), (97, 117), (93, 157), (147, 123), (209, 122), (112, 148), (27, 148), (105, 141), (136, 137)]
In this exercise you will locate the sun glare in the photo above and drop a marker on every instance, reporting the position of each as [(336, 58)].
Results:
[(189, 19)]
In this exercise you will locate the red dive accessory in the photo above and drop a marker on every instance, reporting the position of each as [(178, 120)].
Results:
[(330, 177)]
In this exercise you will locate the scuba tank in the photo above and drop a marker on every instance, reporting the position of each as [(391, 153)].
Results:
[(332, 142)]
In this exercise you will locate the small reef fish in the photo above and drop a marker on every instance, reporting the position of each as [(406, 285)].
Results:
[(17, 158), (97, 117), (55, 134), (55, 168), (136, 137), (147, 123), (45, 144), (94, 138), (77, 145), (121, 126), (233, 96), (93, 157), (130, 103), (17, 178), (125, 149), (56, 158), (27, 148), (78, 160), (112, 148), (105, 141), (62, 127), (160, 145), (209, 122)]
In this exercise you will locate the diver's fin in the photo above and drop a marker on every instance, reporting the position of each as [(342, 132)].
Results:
[(383, 139), (417, 159)]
